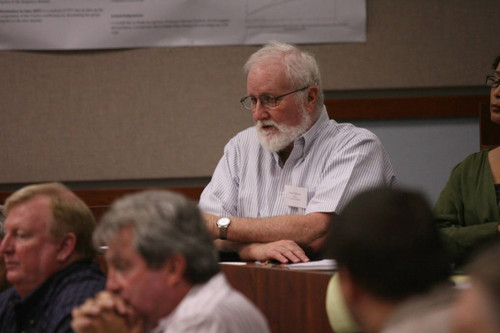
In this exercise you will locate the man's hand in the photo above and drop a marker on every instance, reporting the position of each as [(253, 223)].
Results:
[(284, 251), (107, 313)]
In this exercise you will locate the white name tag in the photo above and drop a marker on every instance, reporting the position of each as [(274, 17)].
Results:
[(295, 196)]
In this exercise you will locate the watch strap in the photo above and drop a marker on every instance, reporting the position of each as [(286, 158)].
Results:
[(223, 232)]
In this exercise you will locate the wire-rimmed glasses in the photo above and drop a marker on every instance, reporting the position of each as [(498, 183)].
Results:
[(249, 102), (492, 81)]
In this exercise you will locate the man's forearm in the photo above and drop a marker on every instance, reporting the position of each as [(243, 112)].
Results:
[(306, 230)]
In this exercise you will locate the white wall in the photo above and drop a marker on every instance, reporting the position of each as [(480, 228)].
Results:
[(423, 151)]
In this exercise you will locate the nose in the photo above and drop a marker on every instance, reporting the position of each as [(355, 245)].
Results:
[(259, 112), (496, 91), (111, 281), (6, 245)]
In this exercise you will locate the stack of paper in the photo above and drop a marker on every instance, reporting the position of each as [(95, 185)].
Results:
[(323, 265)]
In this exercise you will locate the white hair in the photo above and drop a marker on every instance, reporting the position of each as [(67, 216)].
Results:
[(301, 68)]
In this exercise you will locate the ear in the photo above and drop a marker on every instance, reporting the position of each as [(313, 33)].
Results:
[(312, 98), (174, 269), (66, 247), (349, 289)]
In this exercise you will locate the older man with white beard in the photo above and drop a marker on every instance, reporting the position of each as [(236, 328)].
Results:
[(281, 182)]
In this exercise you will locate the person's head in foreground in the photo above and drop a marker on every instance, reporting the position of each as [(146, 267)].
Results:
[(477, 309), (158, 251), (387, 250), (284, 93), (47, 229)]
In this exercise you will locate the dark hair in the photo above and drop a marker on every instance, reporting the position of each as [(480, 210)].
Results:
[(495, 62), (387, 240)]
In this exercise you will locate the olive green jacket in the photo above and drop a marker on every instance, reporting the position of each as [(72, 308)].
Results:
[(467, 212)]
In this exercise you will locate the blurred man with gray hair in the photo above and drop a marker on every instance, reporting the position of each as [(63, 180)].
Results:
[(163, 273)]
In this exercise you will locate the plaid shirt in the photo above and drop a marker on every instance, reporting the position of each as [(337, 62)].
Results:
[(48, 308)]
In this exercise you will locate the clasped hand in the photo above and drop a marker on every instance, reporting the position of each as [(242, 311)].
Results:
[(106, 313)]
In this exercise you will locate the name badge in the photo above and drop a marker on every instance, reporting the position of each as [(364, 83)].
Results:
[(295, 196)]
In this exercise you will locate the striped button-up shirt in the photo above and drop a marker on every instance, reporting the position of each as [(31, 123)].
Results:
[(332, 161)]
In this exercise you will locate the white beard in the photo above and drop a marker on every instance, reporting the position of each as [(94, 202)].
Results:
[(276, 141)]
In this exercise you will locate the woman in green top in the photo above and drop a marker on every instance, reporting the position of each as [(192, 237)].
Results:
[(467, 211)]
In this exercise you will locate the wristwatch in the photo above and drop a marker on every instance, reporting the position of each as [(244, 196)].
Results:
[(222, 224)]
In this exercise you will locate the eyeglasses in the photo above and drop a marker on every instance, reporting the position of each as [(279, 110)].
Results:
[(492, 81), (249, 102)]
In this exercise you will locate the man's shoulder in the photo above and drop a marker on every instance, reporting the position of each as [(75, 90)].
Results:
[(56, 297), (70, 288), (84, 274), (79, 270), (7, 297), (217, 296), (79, 282), (348, 130), (344, 135), (233, 304), (216, 306), (238, 313)]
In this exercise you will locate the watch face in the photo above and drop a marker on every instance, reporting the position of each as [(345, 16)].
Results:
[(223, 222)]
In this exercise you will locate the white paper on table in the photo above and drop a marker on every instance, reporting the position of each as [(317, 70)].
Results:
[(323, 265)]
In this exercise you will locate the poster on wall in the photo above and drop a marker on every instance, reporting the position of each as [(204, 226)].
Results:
[(109, 24)]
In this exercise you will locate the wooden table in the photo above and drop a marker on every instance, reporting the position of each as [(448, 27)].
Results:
[(292, 301)]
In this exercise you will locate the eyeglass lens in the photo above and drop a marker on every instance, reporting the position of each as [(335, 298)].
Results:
[(492, 81)]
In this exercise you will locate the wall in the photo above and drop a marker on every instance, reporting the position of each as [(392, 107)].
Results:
[(423, 151), (164, 114)]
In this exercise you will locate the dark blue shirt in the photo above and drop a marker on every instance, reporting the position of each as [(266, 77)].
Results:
[(48, 308)]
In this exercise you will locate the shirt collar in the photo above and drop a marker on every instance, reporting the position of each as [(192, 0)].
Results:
[(313, 132)]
